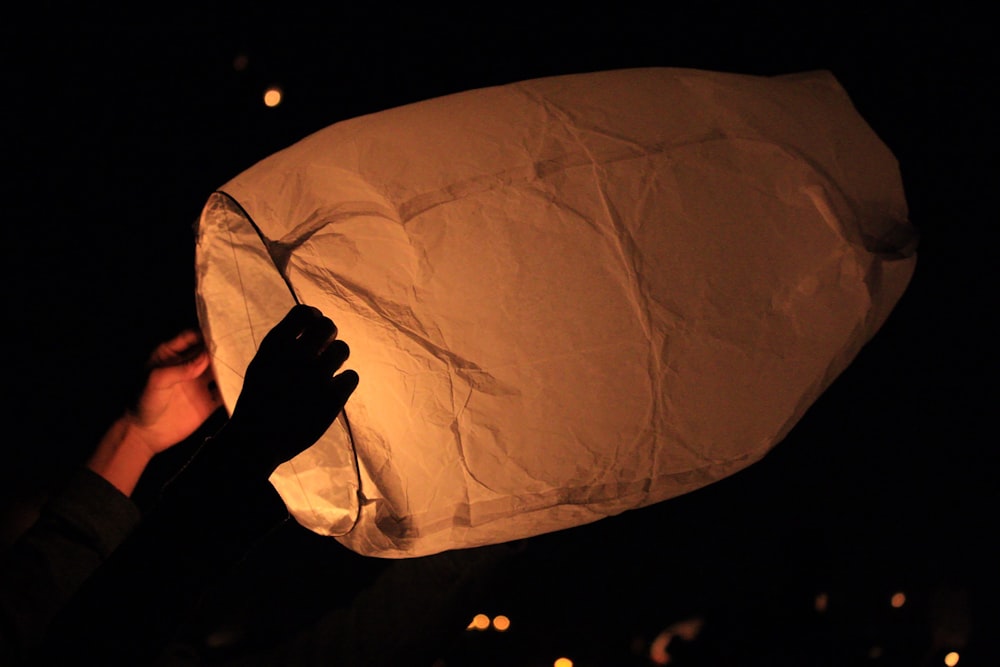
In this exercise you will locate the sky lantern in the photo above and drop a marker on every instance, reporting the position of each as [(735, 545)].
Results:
[(566, 297)]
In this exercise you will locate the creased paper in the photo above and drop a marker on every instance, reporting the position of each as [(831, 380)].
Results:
[(566, 297)]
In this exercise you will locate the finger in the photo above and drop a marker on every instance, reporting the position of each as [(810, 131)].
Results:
[(334, 356), (318, 334), (188, 369), (183, 346), (292, 325), (345, 384), (184, 341), (198, 365)]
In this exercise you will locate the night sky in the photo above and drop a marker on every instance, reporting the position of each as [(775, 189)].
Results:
[(115, 133)]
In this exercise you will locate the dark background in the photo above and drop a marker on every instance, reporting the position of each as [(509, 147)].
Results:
[(116, 131)]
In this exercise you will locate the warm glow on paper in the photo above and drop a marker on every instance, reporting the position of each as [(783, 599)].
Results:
[(566, 297)]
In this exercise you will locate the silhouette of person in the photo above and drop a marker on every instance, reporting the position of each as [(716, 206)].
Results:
[(84, 520)]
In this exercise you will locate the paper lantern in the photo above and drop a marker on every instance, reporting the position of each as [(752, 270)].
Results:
[(566, 297)]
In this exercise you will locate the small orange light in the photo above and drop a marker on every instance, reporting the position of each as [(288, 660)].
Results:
[(272, 96), (479, 622)]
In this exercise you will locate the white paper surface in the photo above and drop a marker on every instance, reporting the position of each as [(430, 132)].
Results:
[(566, 297)]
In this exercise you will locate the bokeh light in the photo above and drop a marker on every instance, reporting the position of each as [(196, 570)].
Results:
[(479, 622), (273, 96)]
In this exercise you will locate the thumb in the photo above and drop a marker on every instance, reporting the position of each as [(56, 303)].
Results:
[(183, 371)]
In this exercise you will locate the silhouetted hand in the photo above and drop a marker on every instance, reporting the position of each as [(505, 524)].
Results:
[(291, 393), (217, 505)]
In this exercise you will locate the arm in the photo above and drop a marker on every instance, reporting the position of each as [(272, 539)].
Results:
[(81, 524), (76, 530), (218, 506)]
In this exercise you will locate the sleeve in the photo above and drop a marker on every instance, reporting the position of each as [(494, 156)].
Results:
[(210, 516), (76, 530)]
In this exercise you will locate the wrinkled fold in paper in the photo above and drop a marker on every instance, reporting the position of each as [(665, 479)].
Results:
[(566, 297)]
